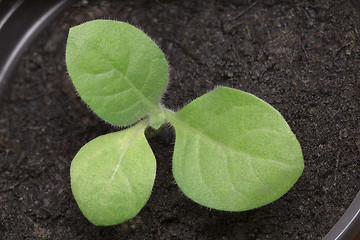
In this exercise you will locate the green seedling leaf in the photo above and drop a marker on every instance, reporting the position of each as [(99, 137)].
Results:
[(116, 69), (233, 151), (112, 176)]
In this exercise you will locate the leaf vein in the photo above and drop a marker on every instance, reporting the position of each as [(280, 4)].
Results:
[(123, 151), (132, 105), (125, 77), (112, 94), (258, 178), (197, 154), (197, 132), (229, 176)]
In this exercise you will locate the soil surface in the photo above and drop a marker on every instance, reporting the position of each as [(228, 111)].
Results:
[(302, 57)]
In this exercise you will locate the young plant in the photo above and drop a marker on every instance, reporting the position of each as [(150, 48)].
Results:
[(233, 151)]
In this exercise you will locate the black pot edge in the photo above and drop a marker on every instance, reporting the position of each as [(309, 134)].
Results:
[(349, 224), (20, 23), (347, 228)]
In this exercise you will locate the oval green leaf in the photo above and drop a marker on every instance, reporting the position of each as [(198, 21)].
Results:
[(116, 69), (112, 176), (233, 151)]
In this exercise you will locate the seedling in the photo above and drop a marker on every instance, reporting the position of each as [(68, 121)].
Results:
[(233, 151)]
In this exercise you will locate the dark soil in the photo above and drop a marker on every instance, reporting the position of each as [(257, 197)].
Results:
[(303, 57)]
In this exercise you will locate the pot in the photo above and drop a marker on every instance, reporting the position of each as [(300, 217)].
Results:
[(20, 22)]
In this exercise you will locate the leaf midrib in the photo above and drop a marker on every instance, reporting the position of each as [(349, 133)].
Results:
[(151, 105), (174, 119), (124, 149)]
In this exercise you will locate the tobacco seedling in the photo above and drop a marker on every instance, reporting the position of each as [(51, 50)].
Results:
[(233, 151)]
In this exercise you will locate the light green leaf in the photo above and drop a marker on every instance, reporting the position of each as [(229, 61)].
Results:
[(112, 176), (233, 151), (116, 69)]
